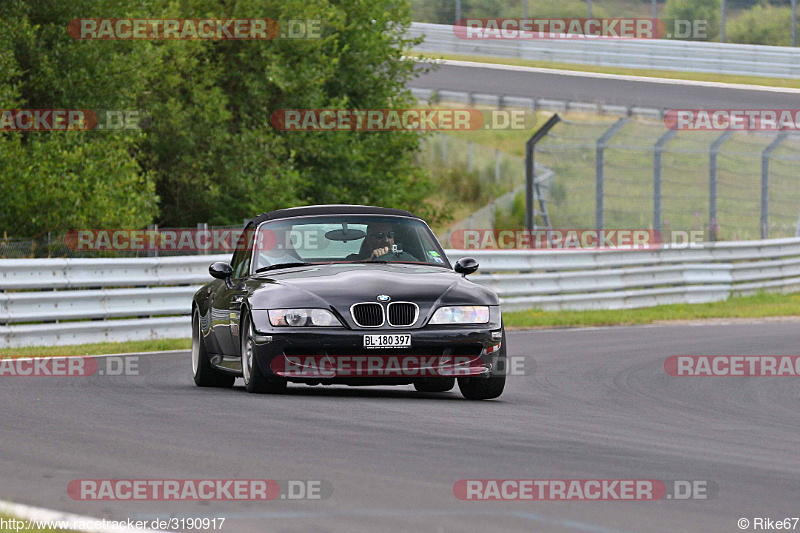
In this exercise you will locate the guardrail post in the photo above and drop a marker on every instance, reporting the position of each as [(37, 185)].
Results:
[(600, 160), (496, 165), (713, 223), (469, 156), (657, 153), (444, 149), (765, 182), (530, 148)]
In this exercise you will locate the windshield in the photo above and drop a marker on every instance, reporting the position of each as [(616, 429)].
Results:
[(346, 238)]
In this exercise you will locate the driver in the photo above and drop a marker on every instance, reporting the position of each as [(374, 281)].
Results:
[(379, 241)]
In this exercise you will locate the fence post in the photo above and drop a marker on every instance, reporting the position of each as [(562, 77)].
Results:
[(712, 184), (469, 156), (496, 165), (203, 226), (765, 182), (530, 149), (444, 148), (599, 208), (657, 153), (152, 236)]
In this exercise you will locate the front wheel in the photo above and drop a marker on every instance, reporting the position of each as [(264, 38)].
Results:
[(254, 379), (486, 388), (482, 388), (204, 373)]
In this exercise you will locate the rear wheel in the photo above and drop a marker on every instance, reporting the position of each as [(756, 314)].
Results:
[(254, 379), (204, 374), (486, 388), (435, 384)]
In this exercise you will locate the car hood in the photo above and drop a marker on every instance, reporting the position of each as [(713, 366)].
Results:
[(339, 286)]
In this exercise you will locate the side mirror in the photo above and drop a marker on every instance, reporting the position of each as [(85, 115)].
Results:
[(220, 270), (466, 266)]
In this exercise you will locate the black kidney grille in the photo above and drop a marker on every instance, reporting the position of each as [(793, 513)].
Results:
[(402, 314), (368, 315)]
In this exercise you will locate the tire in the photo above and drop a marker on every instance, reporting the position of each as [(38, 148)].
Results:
[(254, 379), (486, 388), (204, 374), (435, 384)]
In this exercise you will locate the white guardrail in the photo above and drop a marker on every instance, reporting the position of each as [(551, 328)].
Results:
[(666, 54), (74, 301)]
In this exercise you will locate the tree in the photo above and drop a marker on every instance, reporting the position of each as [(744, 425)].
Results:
[(694, 10), (208, 152), (55, 181), (764, 24)]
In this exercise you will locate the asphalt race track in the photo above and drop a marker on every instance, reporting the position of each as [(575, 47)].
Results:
[(598, 406), (586, 87)]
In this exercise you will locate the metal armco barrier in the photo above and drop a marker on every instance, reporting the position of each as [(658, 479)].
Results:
[(623, 279), (76, 301), (73, 301), (666, 54)]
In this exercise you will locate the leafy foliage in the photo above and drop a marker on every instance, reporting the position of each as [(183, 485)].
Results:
[(208, 152), (764, 24), (694, 10)]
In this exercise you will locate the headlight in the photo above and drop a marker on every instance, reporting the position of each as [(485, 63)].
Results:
[(302, 317), (462, 314)]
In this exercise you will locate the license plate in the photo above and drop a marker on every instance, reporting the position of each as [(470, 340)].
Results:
[(387, 341)]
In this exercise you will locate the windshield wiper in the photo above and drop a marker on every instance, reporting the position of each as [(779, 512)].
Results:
[(283, 265)]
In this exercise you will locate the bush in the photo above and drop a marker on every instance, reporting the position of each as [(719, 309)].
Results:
[(764, 24), (692, 10)]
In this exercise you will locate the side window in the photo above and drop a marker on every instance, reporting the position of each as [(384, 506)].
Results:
[(241, 258)]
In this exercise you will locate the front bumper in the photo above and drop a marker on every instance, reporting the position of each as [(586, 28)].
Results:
[(337, 355)]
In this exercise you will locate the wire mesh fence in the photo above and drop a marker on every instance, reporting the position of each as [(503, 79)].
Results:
[(635, 173), (494, 170), (628, 173)]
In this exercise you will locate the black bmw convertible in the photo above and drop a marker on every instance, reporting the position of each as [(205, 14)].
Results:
[(347, 295)]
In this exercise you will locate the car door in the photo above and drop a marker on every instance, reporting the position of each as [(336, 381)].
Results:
[(228, 298)]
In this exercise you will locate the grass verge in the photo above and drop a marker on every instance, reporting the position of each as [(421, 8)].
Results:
[(651, 73), (99, 348), (761, 305)]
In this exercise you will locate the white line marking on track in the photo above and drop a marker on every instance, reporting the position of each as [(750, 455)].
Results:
[(163, 352)]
